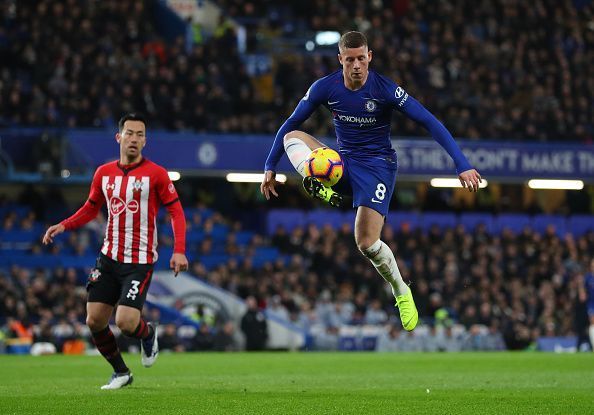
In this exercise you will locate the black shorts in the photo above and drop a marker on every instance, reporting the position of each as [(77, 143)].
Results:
[(113, 282)]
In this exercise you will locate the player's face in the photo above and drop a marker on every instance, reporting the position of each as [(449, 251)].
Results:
[(355, 64), (132, 139)]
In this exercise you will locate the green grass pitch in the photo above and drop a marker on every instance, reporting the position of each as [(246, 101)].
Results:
[(304, 383)]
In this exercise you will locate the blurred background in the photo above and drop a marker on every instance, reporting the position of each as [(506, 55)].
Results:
[(500, 269)]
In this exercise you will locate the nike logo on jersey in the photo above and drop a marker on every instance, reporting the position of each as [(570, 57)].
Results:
[(333, 102)]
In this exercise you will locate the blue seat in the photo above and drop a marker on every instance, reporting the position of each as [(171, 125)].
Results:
[(397, 218), (20, 236), (73, 261), (194, 236), (321, 217), (443, 220), (212, 261), (471, 220), (514, 221), (244, 237), (269, 252), (288, 218), (541, 222), (580, 224), (219, 232)]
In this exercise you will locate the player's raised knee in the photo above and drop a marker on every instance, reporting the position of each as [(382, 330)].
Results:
[(293, 134)]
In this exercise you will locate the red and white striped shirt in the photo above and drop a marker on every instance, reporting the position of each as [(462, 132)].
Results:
[(133, 194)]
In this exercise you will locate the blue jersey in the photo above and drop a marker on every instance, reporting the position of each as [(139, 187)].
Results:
[(362, 118)]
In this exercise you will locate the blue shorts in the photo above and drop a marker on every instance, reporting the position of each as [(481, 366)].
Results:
[(372, 181)]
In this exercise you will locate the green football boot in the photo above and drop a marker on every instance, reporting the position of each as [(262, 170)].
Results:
[(316, 189), (409, 316)]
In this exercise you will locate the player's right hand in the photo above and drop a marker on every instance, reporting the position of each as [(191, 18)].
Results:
[(268, 183), (52, 231), (470, 179)]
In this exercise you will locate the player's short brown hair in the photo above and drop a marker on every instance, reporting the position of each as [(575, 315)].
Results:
[(352, 40)]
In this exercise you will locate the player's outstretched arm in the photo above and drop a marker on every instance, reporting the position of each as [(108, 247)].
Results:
[(84, 215), (51, 232), (470, 179), (308, 104), (267, 187)]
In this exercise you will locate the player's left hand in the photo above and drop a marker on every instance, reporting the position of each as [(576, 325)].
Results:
[(470, 179), (178, 263)]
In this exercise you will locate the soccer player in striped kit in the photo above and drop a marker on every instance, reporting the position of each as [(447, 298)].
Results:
[(133, 188)]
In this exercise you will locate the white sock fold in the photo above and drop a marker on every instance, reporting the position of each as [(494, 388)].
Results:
[(382, 258), (297, 151)]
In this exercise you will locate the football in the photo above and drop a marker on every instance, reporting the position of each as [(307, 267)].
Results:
[(325, 165)]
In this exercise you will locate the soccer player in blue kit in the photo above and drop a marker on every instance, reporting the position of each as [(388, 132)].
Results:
[(361, 102)]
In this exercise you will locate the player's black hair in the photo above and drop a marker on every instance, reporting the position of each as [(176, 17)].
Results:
[(352, 40), (131, 116)]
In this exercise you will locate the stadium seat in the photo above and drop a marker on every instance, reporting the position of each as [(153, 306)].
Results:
[(397, 218), (443, 220), (514, 221), (321, 217), (211, 261), (541, 222), (244, 238), (580, 224), (82, 262), (289, 218), (470, 220), (194, 236)]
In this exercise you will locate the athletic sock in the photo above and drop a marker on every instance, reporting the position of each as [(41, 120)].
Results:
[(383, 260), (297, 152), (106, 343), (142, 331), (591, 333)]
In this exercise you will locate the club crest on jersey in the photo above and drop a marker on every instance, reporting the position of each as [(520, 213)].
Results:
[(370, 106), (94, 275), (137, 185)]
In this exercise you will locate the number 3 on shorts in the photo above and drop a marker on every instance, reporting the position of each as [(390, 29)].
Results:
[(134, 290), (380, 193)]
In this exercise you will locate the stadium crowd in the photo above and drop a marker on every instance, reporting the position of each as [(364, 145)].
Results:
[(474, 290), (488, 69)]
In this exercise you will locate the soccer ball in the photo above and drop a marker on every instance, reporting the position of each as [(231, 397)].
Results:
[(325, 165)]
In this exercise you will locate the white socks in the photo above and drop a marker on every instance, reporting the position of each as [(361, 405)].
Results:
[(297, 151), (383, 260), (591, 333)]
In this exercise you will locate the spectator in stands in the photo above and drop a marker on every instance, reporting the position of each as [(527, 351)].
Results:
[(254, 326), (389, 341), (223, 339), (204, 340), (475, 75), (169, 340)]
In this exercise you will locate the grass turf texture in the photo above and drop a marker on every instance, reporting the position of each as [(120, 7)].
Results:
[(304, 383)]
